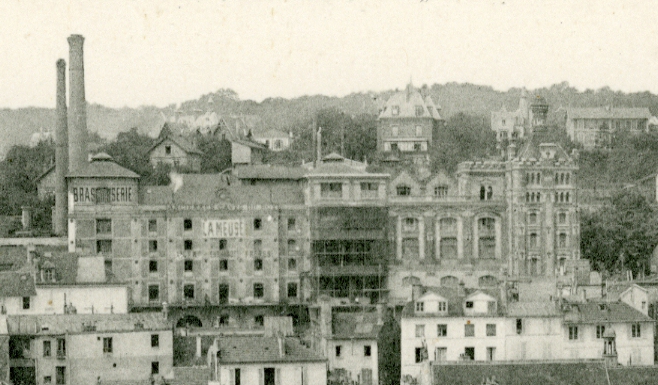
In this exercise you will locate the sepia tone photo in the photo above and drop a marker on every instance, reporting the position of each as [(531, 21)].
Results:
[(348, 192)]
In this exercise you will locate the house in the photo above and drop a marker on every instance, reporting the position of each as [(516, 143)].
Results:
[(175, 150), (245, 152), (511, 125), (594, 127), (77, 348), (274, 140), (265, 360), (46, 183)]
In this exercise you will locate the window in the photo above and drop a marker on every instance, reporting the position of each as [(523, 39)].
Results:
[(292, 246), (223, 265), (104, 226), (292, 290), (519, 326), (469, 304), (26, 303), (442, 330), (258, 290), (562, 240), (419, 111), (223, 293), (394, 146), (155, 367), (395, 131), (108, 267), (562, 218), (491, 330), (419, 131), (61, 347), (636, 331), (222, 244), (573, 333), (441, 354), (367, 352), (292, 223), (532, 218), (155, 340), (104, 246), (331, 190), (418, 147), (420, 306), (49, 275), (533, 239), (409, 224), (107, 344), (258, 223), (338, 348), (403, 190), (167, 150), (469, 353), (258, 246), (420, 330), (187, 245), (188, 291), (46, 349), (258, 264), (442, 306), (154, 293), (259, 320), (47, 379), (395, 110), (153, 266), (600, 330), (153, 246), (419, 355), (441, 191), (60, 375), (189, 265), (187, 224), (491, 354), (292, 264), (153, 225), (469, 330)]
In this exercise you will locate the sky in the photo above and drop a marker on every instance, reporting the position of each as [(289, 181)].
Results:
[(165, 52)]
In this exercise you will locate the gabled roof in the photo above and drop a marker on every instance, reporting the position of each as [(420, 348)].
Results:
[(533, 150), (267, 171), (431, 296), (45, 173), (608, 113), (16, 284), (455, 298), (257, 349), (250, 144), (57, 324), (406, 101), (102, 166), (479, 294), (355, 326), (180, 141)]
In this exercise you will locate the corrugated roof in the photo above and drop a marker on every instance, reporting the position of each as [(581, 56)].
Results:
[(16, 284), (214, 189), (250, 349), (355, 326), (595, 312), (56, 324), (102, 168), (608, 113), (269, 172), (533, 309)]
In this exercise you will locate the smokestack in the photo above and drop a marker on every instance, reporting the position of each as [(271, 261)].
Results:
[(318, 156), (77, 104), (61, 152)]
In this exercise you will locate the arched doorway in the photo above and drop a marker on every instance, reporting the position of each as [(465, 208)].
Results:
[(189, 321)]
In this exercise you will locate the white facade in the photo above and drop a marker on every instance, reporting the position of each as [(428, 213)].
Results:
[(50, 299), (284, 373), (357, 357)]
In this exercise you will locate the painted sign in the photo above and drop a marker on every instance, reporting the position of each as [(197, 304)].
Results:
[(102, 194), (224, 228)]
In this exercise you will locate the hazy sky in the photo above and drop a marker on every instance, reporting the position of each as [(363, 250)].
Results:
[(163, 52)]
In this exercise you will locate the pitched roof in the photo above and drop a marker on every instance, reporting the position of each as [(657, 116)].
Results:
[(534, 150), (406, 101), (16, 284), (45, 173), (256, 349), (355, 326), (102, 166), (55, 324), (596, 312), (250, 144), (455, 298), (267, 171), (215, 189), (608, 113), (533, 309), (271, 133), (180, 141)]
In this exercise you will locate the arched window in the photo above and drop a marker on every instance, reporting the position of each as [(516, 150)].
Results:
[(562, 197), (538, 178), (567, 197), (532, 178), (557, 179), (482, 193), (532, 218), (557, 197), (532, 197), (527, 178), (567, 178), (533, 239), (527, 197), (487, 281), (562, 178), (538, 197), (450, 281), (487, 238), (489, 193)]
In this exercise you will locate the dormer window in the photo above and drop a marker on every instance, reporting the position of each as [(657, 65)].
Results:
[(469, 304), (167, 150), (420, 306), (442, 307), (395, 110), (419, 110)]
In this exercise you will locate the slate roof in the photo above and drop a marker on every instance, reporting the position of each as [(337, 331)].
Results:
[(269, 172), (608, 113), (102, 166), (533, 309), (407, 100), (257, 349), (65, 265), (56, 324), (180, 141), (455, 301), (591, 312), (533, 150), (355, 326), (214, 189), (16, 284)]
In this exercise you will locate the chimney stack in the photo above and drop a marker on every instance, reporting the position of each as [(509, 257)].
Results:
[(77, 104), (61, 152)]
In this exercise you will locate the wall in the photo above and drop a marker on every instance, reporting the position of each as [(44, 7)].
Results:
[(352, 357), (540, 339), (178, 157), (50, 300), (290, 373)]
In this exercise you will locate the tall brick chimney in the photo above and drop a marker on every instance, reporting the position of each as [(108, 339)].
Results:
[(61, 152), (77, 105)]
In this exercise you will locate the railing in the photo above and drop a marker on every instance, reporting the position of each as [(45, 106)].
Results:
[(521, 362)]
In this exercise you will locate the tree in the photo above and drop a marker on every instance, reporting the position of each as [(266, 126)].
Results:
[(621, 235)]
